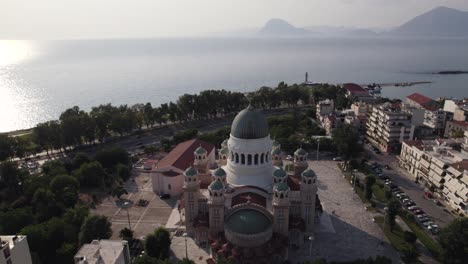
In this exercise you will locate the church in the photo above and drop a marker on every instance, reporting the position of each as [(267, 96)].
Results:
[(249, 209)]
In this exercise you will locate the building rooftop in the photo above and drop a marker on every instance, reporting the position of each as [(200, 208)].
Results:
[(248, 221), (250, 124), (419, 98), (460, 123), (101, 251), (355, 89), (181, 157), (11, 240)]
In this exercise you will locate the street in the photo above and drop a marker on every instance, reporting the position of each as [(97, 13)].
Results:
[(415, 191)]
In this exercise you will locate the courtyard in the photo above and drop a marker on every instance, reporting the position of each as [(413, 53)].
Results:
[(346, 230), (142, 219)]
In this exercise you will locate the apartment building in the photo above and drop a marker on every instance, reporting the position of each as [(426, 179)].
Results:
[(439, 166), (14, 250), (325, 107), (433, 115), (104, 252), (388, 126)]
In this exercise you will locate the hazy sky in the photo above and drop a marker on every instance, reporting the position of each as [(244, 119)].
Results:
[(59, 19)]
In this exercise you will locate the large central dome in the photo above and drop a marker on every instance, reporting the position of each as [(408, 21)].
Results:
[(249, 124)]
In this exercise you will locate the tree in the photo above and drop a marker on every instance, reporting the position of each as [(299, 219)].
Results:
[(13, 220), (410, 237), (65, 188), (346, 140), (157, 244), (80, 159), (457, 133), (187, 261), (6, 147), (453, 240), (123, 171), (145, 259), (95, 227), (91, 174), (370, 180), (118, 192), (126, 234), (393, 208), (111, 157)]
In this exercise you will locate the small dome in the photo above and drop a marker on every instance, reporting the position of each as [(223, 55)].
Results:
[(249, 124), (225, 143), (280, 173), (200, 150), (190, 171), (248, 222), (224, 151), (276, 151), (276, 144), (300, 152), (281, 187), (308, 173), (219, 172), (216, 186)]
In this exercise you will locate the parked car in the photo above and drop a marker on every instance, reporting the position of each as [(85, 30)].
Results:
[(418, 212), (378, 170), (165, 196), (424, 219), (428, 223), (414, 208), (337, 159), (387, 167), (408, 204), (402, 194)]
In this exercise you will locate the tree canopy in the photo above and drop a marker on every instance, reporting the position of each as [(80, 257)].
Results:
[(454, 241)]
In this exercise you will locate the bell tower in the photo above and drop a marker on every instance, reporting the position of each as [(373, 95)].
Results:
[(201, 159), (281, 208), (300, 161), (191, 189), (216, 207), (308, 190)]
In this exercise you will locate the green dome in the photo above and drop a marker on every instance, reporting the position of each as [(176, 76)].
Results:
[(216, 186), (249, 124), (191, 171), (248, 222), (308, 173), (224, 151), (276, 151), (282, 187), (200, 150), (280, 173), (219, 172), (300, 152)]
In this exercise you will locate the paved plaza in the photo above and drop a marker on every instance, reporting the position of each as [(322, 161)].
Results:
[(143, 220), (346, 230)]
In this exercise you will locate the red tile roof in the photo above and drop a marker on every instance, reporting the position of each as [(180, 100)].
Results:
[(182, 155), (355, 89), (170, 173), (293, 183), (248, 196), (461, 166), (419, 98)]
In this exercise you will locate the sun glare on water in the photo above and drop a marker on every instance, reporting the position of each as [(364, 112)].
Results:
[(13, 51)]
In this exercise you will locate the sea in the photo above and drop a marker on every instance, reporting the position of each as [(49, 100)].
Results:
[(40, 79)]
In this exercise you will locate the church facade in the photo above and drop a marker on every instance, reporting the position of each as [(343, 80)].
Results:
[(250, 209)]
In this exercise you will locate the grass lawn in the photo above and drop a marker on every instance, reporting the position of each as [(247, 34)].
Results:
[(379, 193), (423, 236)]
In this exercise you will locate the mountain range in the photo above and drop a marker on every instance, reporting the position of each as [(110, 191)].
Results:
[(439, 22)]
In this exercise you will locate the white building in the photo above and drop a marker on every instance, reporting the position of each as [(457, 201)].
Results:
[(325, 107), (14, 250), (438, 166), (167, 175), (388, 127), (104, 252), (248, 202)]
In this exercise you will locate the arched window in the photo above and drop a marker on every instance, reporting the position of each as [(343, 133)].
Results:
[(267, 156), (262, 158), (237, 158), (281, 195), (256, 159), (242, 159), (249, 159), (168, 186)]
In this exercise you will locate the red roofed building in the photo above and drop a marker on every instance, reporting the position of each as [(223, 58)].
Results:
[(167, 174), (420, 101), (356, 91)]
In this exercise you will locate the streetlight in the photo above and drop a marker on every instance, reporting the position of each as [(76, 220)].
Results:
[(318, 147), (126, 205), (354, 178), (186, 252), (311, 238)]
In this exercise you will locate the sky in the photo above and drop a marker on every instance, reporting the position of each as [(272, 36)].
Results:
[(81, 19)]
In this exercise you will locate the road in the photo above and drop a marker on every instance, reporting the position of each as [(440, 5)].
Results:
[(415, 191)]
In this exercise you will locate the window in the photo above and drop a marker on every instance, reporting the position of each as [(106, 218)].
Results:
[(242, 159), (256, 159), (237, 158), (169, 186), (249, 159), (262, 158)]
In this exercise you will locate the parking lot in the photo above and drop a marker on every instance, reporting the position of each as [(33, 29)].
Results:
[(143, 219), (415, 192)]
